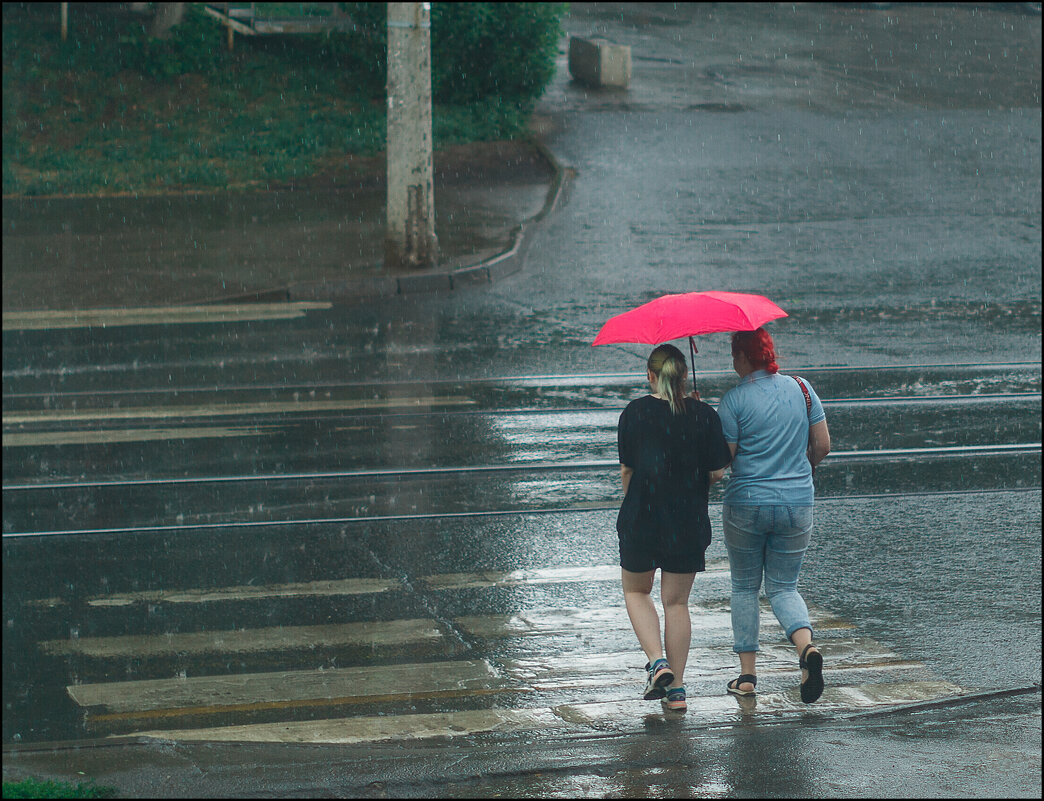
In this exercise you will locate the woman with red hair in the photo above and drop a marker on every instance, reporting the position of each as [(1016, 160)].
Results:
[(776, 429)]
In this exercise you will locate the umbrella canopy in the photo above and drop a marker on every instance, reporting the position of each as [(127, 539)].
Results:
[(688, 315)]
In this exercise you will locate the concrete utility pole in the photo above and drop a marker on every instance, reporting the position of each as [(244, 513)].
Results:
[(409, 239)]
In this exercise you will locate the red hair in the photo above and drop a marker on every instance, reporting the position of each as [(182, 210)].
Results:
[(758, 347)]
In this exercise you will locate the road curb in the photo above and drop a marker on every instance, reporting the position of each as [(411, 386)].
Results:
[(495, 268)]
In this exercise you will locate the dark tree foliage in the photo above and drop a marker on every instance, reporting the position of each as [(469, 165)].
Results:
[(486, 50), (364, 48), (502, 52), (479, 51), (196, 44)]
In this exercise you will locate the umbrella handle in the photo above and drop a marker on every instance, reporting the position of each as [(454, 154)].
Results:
[(692, 357)]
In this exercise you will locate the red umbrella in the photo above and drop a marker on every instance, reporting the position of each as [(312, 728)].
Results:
[(688, 315)]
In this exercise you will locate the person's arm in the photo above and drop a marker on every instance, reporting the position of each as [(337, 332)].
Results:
[(728, 427), (719, 453), (718, 475), (818, 442), (625, 476)]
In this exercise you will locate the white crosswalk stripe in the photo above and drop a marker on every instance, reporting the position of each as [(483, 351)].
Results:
[(575, 686), (609, 716), (285, 688), (371, 633)]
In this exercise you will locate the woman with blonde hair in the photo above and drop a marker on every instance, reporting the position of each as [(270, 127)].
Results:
[(671, 450)]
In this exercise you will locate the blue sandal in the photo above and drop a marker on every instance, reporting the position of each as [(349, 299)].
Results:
[(660, 675), (675, 699)]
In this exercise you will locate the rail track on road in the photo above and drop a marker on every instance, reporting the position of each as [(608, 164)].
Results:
[(491, 446), (232, 562)]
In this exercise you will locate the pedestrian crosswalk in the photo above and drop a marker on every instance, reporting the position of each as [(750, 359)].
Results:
[(221, 694), (610, 716), (551, 667), (373, 728), (239, 641)]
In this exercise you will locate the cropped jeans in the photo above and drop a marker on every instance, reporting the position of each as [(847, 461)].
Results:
[(769, 540)]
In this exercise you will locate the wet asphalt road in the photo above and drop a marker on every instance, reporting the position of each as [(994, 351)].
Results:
[(902, 237)]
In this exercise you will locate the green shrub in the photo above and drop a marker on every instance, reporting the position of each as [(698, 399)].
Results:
[(34, 788), (80, 117), (487, 50), (195, 45), (482, 121), (363, 49), (190, 171), (478, 50)]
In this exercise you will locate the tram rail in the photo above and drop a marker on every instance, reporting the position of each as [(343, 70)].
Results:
[(522, 380), (295, 493), (485, 513), (508, 467)]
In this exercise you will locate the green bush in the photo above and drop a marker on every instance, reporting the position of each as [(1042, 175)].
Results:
[(493, 50), (479, 51), (195, 45), (34, 788), (482, 121), (191, 171), (364, 48), (80, 117)]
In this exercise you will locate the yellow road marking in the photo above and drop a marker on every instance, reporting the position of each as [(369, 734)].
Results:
[(372, 728), (858, 696), (229, 409), (288, 687), (259, 706), (156, 315), (616, 716), (245, 641), (551, 575), (628, 715), (38, 438), (310, 589), (551, 621), (446, 581)]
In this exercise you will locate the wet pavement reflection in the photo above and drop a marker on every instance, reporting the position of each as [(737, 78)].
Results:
[(391, 526)]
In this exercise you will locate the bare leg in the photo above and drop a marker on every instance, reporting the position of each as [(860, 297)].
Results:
[(801, 638), (747, 661), (640, 609), (677, 628)]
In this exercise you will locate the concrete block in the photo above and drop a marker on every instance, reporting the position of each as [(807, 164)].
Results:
[(599, 63)]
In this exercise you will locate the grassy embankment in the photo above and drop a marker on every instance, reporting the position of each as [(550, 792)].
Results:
[(82, 117), (36, 788)]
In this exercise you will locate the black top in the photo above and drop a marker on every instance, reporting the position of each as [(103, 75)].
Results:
[(671, 455)]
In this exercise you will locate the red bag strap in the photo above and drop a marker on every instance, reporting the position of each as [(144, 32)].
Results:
[(804, 391)]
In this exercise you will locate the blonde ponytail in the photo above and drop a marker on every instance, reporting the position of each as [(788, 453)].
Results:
[(668, 365)]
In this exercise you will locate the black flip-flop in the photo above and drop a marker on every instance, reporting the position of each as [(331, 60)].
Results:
[(733, 686), (812, 687)]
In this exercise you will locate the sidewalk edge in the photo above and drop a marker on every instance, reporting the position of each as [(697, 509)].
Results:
[(503, 264)]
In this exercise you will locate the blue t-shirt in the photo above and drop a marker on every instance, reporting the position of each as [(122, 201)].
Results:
[(766, 416)]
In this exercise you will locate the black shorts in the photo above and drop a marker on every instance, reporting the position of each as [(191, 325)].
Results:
[(643, 559)]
